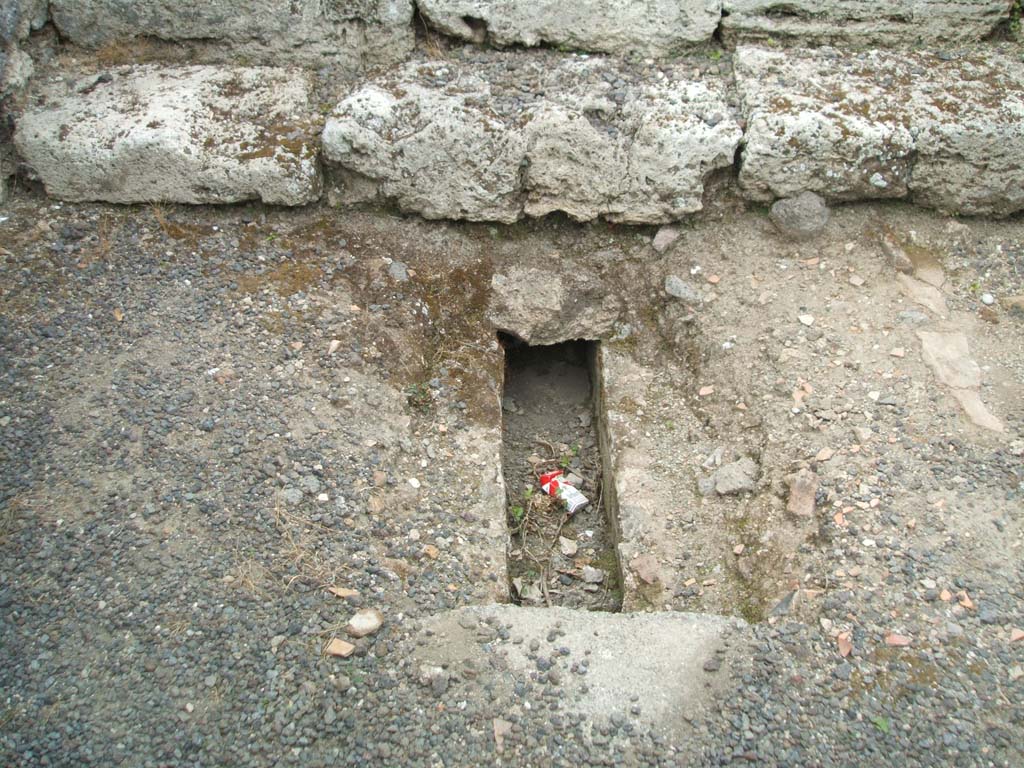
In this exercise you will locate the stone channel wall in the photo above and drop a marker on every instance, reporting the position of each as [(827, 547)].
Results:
[(620, 126)]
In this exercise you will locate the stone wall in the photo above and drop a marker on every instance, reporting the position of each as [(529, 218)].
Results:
[(612, 121)]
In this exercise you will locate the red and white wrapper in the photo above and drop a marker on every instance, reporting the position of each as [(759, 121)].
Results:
[(553, 484)]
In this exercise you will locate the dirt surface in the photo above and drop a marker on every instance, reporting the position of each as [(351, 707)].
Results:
[(555, 557), (209, 417)]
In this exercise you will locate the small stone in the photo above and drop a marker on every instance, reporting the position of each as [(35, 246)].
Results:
[(502, 728), (705, 391), (646, 568), (664, 239), (801, 217), (342, 682), (333, 346), (824, 454), (898, 352), (988, 299), (365, 622), (436, 678), (568, 547), (414, 482), (398, 272), (683, 290), (343, 592), (807, 320), (856, 281), (338, 647), (713, 664), (738, 477), (592, 575), (803, 488), (1016, 635)]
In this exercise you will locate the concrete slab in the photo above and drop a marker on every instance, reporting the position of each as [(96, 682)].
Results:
[(669, 665)]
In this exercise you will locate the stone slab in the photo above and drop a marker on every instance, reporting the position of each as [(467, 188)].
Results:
[(648, 27), (947, 132), (671, 665), (643, 483), (881, 22), (351, 33), (197, 134), (462, 142)]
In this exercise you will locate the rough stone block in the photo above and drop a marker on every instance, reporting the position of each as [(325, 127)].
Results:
[(195, 134), (350, 33), (947, 132), (453, 143), (882, 22), (650, 27)]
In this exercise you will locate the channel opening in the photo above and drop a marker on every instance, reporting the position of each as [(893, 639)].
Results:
[(550, 423)]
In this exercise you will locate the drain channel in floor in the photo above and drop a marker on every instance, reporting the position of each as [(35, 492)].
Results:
[(556, 558)]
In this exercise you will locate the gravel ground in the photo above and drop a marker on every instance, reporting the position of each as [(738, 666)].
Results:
[(208, 417)]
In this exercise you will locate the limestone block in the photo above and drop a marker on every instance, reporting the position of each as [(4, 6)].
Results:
[(882, 22), (351, 33), (948, 132), (650, 27), (197, 134), (461, 143)]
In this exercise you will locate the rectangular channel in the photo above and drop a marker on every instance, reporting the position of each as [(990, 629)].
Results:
[(550, 421)]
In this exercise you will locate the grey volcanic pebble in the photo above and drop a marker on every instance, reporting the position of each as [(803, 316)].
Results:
[(801, 217)]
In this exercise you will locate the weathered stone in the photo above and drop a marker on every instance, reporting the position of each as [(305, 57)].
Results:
[(949, 357), (180, 134), (949, 133), (348, 33), (543, 307), (737, 477), (665, 238), (437, 152), (365, 622), (678, 288), (19, 17), (801, 217), (448, 143), (921, 293), (649, 27), (803, 488), (16, 67), (882, 22)]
